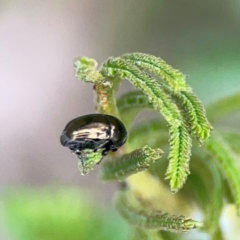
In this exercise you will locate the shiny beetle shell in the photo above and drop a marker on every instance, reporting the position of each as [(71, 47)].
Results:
[(94, 131)]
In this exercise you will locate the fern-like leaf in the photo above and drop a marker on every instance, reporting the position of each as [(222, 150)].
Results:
[(179, 156), (193, 112), (197, 116), (119, 168), (173, 77), (160, 100), (156, 220)]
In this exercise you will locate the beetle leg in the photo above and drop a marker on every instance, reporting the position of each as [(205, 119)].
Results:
[(105, 152), (77, 152), (100, 161)]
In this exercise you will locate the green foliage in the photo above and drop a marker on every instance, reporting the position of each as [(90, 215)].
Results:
[(155, 65), (88, 160), (150, 87), (182, 119), (224, 107), (119, 168), (130, 104), (155, 220), (194, 113), (179, 156), (206, 184), (227, 161), (64, 213)]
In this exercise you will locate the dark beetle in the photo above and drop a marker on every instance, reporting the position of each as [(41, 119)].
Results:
[(94, 131)]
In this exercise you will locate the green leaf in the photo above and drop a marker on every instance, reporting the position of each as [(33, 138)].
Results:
[(133, 99), (194, 114), (227, 161), (155, 65), (130, 104), (232, 136), (212, 196), (160, 100), (87, 160), (118, 168), (155, 220), (85, 70), (179, 156), (223, 107)]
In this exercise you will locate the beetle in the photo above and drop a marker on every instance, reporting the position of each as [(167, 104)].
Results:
[(94, 131)]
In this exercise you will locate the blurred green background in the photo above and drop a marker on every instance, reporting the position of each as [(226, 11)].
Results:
[(60, 213), (39, 93)]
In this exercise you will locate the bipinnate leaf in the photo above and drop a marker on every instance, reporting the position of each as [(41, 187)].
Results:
[(149, 86)]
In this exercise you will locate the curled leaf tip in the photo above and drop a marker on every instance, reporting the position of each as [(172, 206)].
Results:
[(85, 69), (87, 160)]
